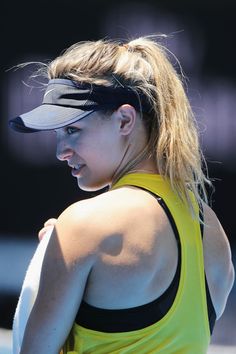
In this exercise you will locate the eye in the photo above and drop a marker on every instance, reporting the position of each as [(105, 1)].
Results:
[(71, 130)]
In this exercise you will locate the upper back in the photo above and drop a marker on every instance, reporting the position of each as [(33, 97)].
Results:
[(138, 250), (137, 254), (136, 259)]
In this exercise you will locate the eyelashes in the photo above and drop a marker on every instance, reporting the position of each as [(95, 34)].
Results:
[(71, 130)]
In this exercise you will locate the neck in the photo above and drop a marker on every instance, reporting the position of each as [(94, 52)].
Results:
[(141, 171), (144, 165)]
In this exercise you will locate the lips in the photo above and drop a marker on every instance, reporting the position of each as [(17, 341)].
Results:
[(77, 169)]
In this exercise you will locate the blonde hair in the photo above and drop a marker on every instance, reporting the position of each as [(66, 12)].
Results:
[(143, 64)]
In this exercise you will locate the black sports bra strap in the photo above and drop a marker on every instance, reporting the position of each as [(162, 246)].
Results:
[(201, 217)]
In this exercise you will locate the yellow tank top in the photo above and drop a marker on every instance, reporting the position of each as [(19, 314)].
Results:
[(185, 327)]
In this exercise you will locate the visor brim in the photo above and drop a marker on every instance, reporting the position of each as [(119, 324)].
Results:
[(47, 117)]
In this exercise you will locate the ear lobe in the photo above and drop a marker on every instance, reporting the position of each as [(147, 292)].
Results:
[(127, 117)]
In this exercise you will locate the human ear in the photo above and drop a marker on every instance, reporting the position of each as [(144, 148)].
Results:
[(127, 117)]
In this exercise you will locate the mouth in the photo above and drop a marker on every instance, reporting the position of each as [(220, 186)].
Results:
[(77, 169)]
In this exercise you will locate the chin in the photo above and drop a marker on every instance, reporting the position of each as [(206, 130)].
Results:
[(92, 186)]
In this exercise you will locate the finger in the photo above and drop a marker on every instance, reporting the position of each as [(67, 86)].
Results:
[(50, 222), (41, 233), (44, 231)]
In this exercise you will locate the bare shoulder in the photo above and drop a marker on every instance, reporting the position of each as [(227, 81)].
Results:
[(91, 222), (103, 210), (88, 222), (79, 229), (94, 213), (218, 260)]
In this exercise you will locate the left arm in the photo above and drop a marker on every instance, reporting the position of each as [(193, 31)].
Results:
[(66, 266)]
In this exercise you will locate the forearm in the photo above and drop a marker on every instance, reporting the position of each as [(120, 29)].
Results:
[(41, 336)]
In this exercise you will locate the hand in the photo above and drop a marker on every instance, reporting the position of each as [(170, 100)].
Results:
[(48, 226)]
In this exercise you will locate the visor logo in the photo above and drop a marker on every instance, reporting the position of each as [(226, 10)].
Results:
[(47, 92)]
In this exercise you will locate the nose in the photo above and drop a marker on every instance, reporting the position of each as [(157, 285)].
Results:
[(63, 151)]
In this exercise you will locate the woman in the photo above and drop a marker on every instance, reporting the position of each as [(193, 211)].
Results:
[(146, 266)]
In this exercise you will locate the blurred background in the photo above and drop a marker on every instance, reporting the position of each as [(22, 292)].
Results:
[(35, 187)]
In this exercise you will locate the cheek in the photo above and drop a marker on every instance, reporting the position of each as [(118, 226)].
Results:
[(109, 149), (104, 155)]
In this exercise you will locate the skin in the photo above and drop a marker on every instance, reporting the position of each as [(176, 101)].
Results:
[(98, 251)]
